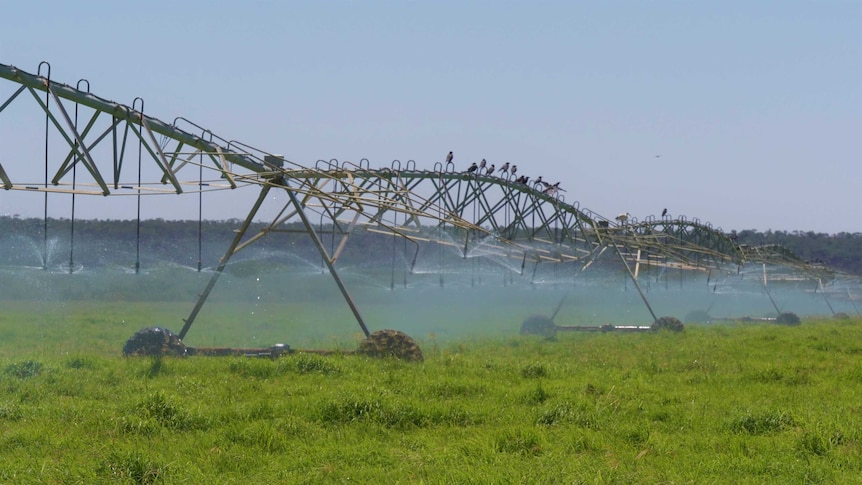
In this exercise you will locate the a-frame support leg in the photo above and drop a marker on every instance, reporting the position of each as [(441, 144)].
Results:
[(223, 261), (634, 280), (328, 260)]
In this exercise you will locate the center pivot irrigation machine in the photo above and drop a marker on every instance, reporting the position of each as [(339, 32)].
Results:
[(96, 147)]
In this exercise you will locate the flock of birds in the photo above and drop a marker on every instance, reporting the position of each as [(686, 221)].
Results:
[(507, 170), (482, 168)]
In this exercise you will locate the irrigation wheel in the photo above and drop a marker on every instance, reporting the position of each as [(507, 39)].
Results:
[(668, 323), (391, 343), (538, 325), (788, 318), (154, 341)]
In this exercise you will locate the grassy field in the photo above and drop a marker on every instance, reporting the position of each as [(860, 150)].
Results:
[(715, 404)]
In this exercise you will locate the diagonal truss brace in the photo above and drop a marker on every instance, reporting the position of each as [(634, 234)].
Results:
[(236, 245)]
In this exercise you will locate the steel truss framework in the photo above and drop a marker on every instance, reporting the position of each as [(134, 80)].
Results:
[(105, 145)]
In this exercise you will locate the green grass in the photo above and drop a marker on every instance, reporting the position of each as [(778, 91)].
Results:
[(714, 404)]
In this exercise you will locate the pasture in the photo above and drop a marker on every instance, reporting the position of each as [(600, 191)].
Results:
[(718, 403)]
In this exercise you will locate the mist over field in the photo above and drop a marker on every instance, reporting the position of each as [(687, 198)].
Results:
[(279, 289)]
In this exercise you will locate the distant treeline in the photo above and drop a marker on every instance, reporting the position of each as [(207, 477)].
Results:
[(842, 251), (97, 242)]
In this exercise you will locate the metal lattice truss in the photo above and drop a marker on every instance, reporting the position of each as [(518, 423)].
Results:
[(107, 149)]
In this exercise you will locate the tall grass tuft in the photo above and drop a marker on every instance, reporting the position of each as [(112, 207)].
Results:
[(537, 395), (450, 390), (261, 435), (568, 413), (24, 369), (10, 411), (313, 364), (166, 412), (392, 415), (134, 467), (819, 441), (82, 362), (256, 368), (535, 370), (157, 365), (521, 442), (560, 413), (350, 410), (762, 423)]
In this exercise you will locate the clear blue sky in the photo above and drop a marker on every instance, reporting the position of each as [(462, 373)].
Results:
[(746, 114)]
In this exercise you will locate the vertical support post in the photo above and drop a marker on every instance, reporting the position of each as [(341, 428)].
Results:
[(138, 219), (440, 260), (326, 259), (404, 252), (74, 184), (394, 242), (440, 257), (320, 230), (440, 227), (47, 117), (223, 261), (200, 214)]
